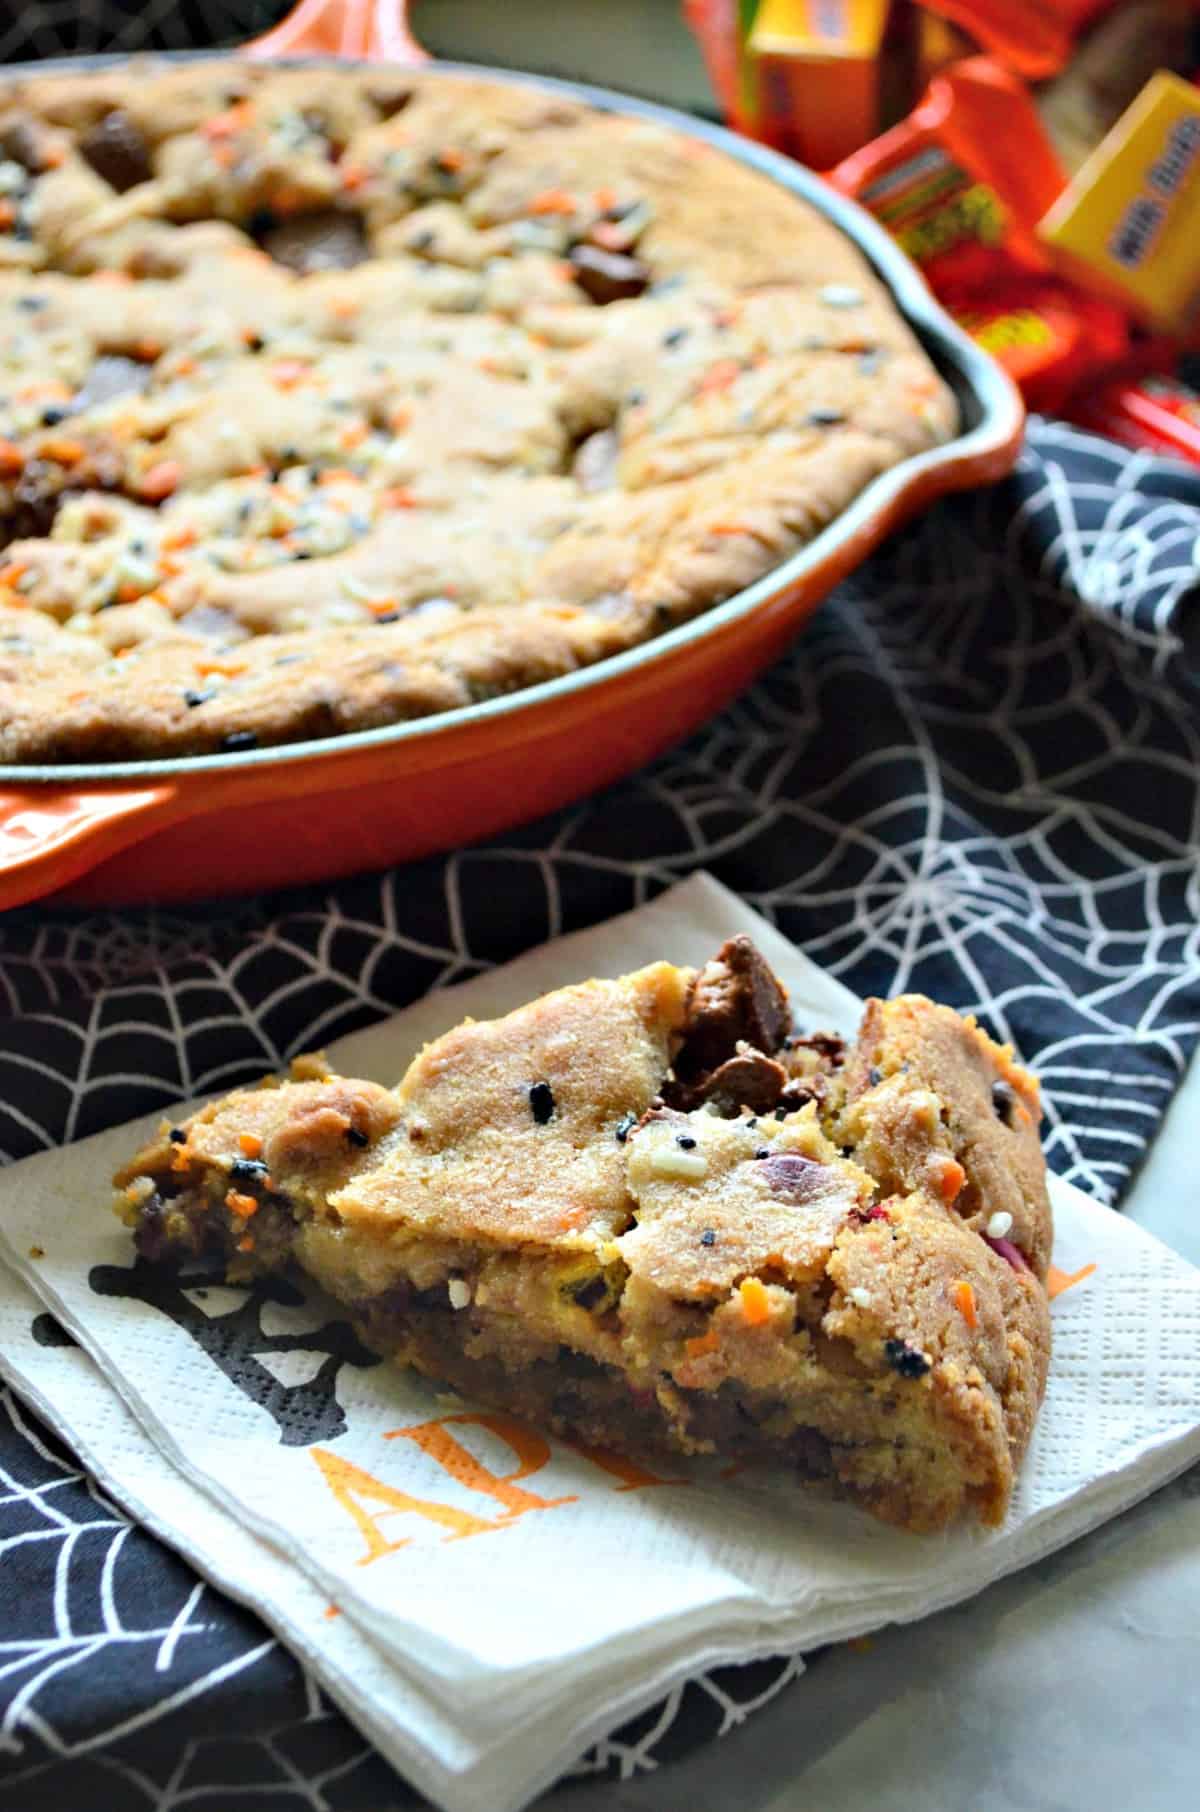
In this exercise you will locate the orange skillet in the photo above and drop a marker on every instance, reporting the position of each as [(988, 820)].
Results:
[(121, 832)]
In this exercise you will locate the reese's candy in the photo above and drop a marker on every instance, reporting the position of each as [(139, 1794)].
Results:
[(963, 181), (1048, 335)]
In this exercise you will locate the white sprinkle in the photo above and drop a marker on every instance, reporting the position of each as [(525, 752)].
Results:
[(460, 1293), (1000, 1226), (860, 1297), (141, 1189), (669, 1161), (841, 295)]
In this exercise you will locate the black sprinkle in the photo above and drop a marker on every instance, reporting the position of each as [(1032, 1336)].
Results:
[(675, 336), (239, 739), (868, 363), (905, 1359), (1003, 1100), (389, 616), (177, 1136), (781, 1113), (357, 1138), (874, 1076), (192, 699), (541, 1101), (636, 398), (52, 417), (625, 1126), (752, 1122), (302, 553), (764, 1151), (247, 1170), (255, 343), (825, 418), (31, 304), (708, 1237), (685, 1141)]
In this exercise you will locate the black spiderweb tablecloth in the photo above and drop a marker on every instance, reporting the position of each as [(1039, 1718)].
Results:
[(977, 774)]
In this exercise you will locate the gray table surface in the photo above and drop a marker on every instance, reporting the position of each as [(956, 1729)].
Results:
[(1073, 1686)]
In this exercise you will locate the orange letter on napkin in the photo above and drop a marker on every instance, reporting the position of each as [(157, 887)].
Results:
[(435, 1439), (347, 1481)]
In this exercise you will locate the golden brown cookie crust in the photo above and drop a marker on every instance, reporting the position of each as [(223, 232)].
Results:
[(289, 360), (530, 1217)]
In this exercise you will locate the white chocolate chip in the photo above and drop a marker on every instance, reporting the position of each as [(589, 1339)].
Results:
[(670, 1161), (460, 1292), (841, 295), (1000, 1225), (859, 1297)]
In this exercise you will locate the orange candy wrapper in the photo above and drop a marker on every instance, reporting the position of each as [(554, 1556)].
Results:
[(1034, 37), (1146, 405), (961, 185)]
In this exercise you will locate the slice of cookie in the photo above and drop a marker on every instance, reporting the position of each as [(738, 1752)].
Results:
[(643, 1213)]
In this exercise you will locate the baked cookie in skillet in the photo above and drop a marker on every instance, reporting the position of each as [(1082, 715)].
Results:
[(646, 1214), (336, 398)]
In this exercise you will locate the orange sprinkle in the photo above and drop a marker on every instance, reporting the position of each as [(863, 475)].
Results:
[(183, 536), (8, 215), (343, 307), (719, 377), (110, 277), (63, 451), (399, 497), (12, 459), (161, 480), (169, 568), (701, 1344), (352, 436), (337, 475), (573, 1217), (354, 176), (399, 419), (183, 367), (451, 159), (381, 607), (249, 1144), (952, 1179), (963, 1298), (290, 372), (149, 350), (246, 1243), (728, 528), (553, 201), (1057, 1281), (245, 1205), (127, 591), (603, 199), (288, 199), (179, 1158), (332, 1610), (224, 125), (13, 571), (227, 669), (53, 157), (123, 654), (756, 1304)]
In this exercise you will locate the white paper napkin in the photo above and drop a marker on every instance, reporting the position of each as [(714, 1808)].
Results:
[(537, 1597)]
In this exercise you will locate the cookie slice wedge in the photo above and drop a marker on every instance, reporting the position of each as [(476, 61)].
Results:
[(634, 1212)]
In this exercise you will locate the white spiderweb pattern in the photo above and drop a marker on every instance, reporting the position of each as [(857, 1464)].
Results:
[(960, 781)]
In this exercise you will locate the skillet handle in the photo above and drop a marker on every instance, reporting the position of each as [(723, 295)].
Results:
[(51, 835), (370, 31)]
